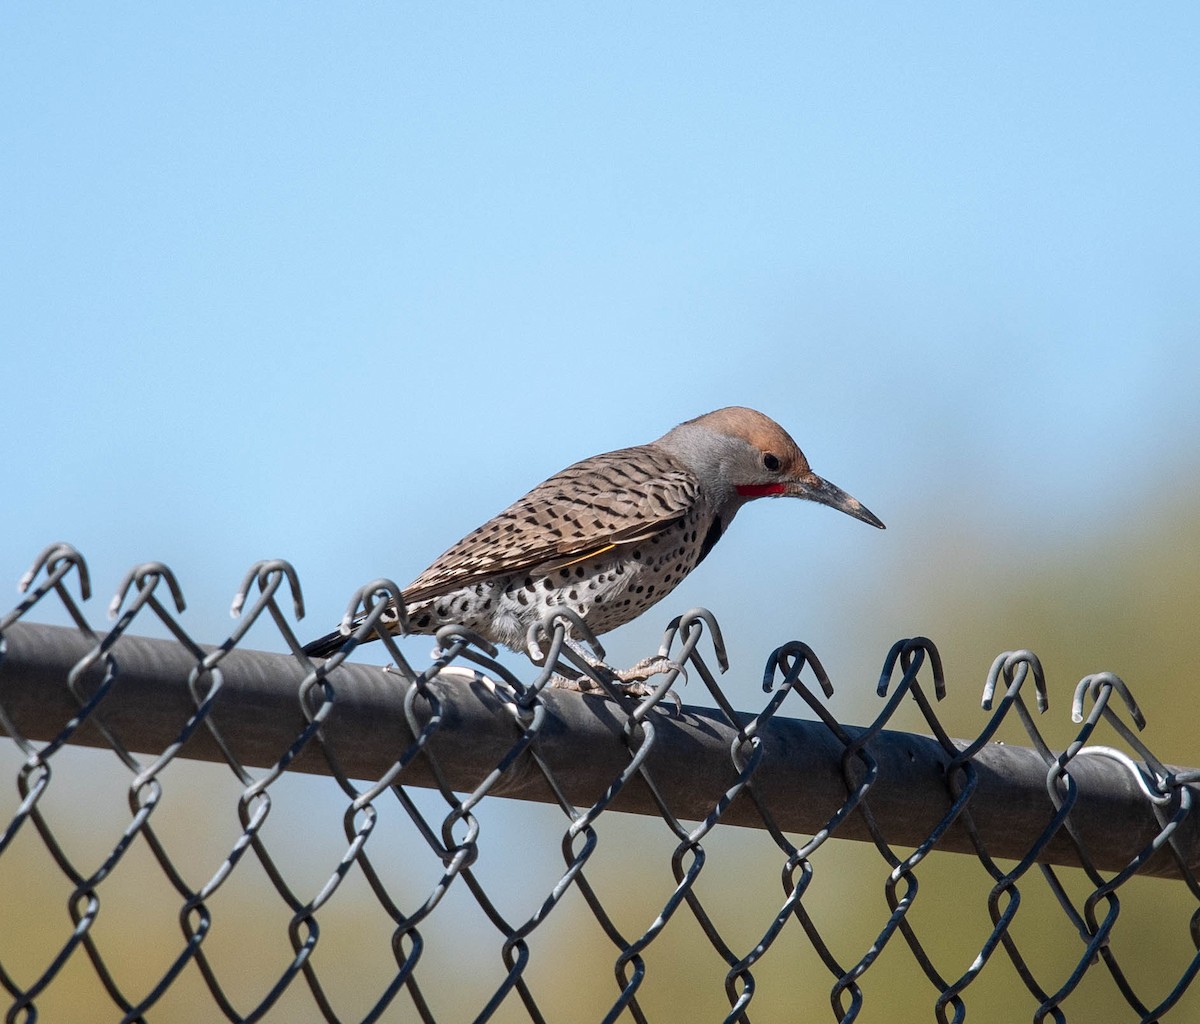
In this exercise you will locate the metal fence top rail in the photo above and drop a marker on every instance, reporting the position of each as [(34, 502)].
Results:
[(803, 778)]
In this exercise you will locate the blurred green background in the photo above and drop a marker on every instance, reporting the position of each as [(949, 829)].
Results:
[(336, 284)]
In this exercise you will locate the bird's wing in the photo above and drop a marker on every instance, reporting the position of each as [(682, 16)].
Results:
[(609, 500)]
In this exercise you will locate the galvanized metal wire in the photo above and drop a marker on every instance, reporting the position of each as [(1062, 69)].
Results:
[(436, 744)]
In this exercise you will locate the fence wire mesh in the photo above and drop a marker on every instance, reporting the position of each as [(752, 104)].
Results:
[(467, 920)]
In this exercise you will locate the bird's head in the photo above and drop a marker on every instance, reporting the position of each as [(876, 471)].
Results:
[(742, 455)]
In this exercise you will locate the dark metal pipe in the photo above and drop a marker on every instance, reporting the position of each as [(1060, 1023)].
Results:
[(800, 779)]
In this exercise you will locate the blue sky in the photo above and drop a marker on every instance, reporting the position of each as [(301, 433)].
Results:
[(336, 283)]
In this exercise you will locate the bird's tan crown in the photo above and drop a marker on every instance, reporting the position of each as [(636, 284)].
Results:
[(759, 430)]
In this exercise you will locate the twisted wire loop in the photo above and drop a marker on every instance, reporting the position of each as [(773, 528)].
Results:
[(791, 660), (59, 562), (1004, 899), (910, 656), (591, 755), (1170, 810)]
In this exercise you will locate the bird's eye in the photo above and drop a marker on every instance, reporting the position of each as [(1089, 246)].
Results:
[(771, 462)]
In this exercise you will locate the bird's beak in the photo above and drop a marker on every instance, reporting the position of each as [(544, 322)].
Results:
[(815, 488)]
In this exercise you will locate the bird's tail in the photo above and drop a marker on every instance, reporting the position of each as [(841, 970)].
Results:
[(329, 644), (326, 646)]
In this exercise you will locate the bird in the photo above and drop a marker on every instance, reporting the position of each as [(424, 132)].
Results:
[(610, 536)]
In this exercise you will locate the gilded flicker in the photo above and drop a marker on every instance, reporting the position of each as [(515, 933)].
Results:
[(612, 535)]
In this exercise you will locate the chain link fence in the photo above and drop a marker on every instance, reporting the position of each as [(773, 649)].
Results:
[(500, 849)]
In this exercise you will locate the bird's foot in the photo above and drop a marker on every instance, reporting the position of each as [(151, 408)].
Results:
[(648, 668), (631, 682)]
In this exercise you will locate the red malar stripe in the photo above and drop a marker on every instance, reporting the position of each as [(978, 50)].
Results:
[(759, 490)]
